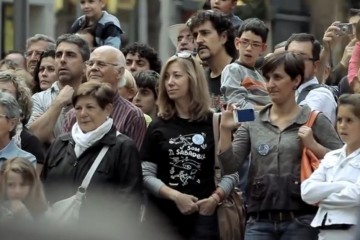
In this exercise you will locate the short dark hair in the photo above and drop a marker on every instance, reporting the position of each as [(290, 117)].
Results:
[(256, 26), (102, 92), (350, 99), (78, 41), (306, 37), (220, 22), (354, 12), (293, 64), (144, 51), (148, 79)]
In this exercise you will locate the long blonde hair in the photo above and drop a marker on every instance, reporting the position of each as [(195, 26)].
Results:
[(35, 201), (199, 106)]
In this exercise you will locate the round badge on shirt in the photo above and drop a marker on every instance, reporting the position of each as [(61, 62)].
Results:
[(263, 149), (198, 139)]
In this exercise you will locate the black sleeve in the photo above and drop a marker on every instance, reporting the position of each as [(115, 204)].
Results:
[(129, 167), (150, 145), (32, 144)]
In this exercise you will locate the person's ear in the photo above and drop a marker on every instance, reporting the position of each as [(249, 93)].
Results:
[(297, 81), (109, 108), (13, 123), (263, 48), (223, 37), (237, 43), (316, 66)]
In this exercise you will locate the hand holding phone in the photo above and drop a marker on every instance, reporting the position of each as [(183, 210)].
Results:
[(244, 115)]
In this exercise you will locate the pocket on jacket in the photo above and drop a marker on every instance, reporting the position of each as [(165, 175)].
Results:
[(258, 188)]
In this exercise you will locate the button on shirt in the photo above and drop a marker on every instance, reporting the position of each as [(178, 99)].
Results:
[(320, 99)]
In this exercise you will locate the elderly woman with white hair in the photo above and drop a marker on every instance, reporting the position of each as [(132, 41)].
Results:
[(9, 119)]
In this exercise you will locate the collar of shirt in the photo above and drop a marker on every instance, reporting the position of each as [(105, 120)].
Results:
[(55, 88), (304, 85), (300, 119), (9, 149)]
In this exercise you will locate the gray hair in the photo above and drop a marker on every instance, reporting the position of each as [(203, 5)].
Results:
[(40, 37), (78, 41), (11, 108)]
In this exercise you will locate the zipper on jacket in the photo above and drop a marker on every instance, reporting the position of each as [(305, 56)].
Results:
[(76, 163)]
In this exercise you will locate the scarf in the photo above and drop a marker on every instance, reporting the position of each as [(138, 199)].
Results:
[(84, 140)]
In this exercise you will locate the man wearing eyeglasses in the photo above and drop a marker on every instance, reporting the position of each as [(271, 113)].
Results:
[(241, 83), (107, 64), (310, 92), (35, 46)]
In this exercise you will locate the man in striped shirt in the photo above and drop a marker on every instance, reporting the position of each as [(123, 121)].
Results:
[(107, 64)]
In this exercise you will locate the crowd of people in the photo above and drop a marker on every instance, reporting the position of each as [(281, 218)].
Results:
[(65, 100)]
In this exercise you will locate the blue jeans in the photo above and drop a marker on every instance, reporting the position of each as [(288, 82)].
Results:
[(297, 229)]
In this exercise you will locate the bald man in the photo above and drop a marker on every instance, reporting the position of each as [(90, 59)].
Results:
[(107, 64)]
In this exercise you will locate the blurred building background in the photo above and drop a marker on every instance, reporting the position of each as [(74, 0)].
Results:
[(147, 20)]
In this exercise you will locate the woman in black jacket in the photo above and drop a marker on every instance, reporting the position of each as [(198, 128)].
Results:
[(118, 178)]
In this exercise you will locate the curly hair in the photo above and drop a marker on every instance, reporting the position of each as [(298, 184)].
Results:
[(23, 93), (144, 51), (221, 24)]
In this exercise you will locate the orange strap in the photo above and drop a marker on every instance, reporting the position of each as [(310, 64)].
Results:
[(313, 115)]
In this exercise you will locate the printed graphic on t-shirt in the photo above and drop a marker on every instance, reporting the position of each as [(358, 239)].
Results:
[(254, 86), (186, 154)]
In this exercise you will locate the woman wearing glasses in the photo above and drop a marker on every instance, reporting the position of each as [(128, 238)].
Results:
[(178, 152), (275, 140)]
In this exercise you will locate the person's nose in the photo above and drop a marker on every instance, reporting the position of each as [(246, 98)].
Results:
[(136, 98)]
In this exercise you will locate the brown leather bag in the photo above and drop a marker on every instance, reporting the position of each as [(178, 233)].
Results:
[(309, 162), (231, 212)]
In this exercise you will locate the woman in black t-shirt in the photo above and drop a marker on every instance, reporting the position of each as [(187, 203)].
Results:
[(178, 152)]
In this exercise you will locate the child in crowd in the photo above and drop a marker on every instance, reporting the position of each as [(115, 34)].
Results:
[(227, 7), (127, 86), (241, 83), (146, 97), (106, 26), (335, 185), (21, 192)]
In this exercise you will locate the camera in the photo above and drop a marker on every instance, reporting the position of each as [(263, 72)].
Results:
[(345, 28)]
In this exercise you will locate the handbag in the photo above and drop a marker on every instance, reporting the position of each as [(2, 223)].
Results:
[(231, 212), (309, 162), (66, 211)]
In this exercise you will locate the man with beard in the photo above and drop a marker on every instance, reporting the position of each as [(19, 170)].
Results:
[(35, 46), (51, 105), (214, 36)]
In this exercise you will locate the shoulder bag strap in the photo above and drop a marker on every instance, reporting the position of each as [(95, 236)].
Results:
[(312, 117), (216, 118), (94, 166)]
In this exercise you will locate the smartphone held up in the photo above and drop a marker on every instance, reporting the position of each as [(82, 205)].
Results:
[(244, 115)]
